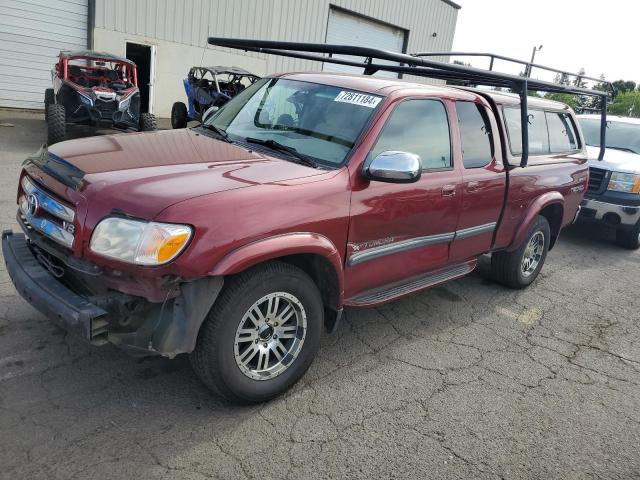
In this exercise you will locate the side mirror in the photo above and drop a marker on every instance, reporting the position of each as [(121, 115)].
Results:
[(208, 112), (394, 167)]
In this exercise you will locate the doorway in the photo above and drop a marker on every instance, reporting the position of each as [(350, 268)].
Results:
[(142, 56)]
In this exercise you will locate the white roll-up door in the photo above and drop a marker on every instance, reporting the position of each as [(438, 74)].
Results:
[(345, 28), (32, 33)]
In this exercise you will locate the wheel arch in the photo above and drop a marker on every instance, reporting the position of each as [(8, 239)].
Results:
[(313, 253), (551, 206), (554, 213)]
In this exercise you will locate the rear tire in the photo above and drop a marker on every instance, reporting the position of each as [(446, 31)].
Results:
[(56, 124), (49, 99), (147, 122), (179, 115), (229, 356), (629, 238), (520, 268)]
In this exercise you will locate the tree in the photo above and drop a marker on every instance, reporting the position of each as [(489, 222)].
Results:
[(568, 98), (623, 86), (626, 104)]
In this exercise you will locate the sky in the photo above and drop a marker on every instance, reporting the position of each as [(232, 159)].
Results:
[(601, 37)]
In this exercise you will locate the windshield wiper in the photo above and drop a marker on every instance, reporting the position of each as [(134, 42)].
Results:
[(624, 149), (273, 145), (220, 132)]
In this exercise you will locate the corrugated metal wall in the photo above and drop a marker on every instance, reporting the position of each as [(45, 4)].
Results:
[(189, 22), (32, 33)]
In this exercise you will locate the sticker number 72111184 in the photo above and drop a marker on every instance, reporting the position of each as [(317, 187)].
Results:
[(356, 98)]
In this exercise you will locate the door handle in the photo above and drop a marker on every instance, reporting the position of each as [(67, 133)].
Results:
[(473, 187), (448, 190)]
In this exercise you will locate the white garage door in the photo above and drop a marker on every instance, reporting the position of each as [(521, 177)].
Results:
[(349, 29), (32, 33)]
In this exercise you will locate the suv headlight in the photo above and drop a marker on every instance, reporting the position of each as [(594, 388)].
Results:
[(624, 182), (87, 100), (139, 242), (124, 104)]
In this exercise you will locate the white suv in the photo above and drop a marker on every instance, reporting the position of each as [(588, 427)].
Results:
[(613, 195)]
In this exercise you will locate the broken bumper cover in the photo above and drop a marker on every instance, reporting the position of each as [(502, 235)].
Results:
[(168, 329), (42, 290)]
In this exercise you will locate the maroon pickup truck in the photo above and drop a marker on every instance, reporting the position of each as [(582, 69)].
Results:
[(239, 240)]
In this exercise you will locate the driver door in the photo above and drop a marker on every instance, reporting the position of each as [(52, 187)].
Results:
[(398, 230)]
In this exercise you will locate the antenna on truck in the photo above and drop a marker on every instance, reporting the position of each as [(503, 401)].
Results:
[(423, 67)]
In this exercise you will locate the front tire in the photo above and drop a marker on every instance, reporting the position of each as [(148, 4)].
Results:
[(520, 268), (261, 335), (629, 238), (56, 124), (179, 115), (147, 122)]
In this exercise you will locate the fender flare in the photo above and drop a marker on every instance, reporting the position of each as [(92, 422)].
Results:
[(283, 245), (549, 198)]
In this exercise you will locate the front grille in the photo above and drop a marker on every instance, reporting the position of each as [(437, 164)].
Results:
[(598, 179), (106, 108), (41, 211)]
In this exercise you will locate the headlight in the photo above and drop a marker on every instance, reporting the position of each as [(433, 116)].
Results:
[(85, 99), (138, 242), (624, 182), (124, 104)]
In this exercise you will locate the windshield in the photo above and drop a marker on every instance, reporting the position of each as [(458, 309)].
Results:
[(318, 121), (620, 135)]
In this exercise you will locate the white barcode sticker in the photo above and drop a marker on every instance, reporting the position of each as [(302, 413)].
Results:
[(356, 98)]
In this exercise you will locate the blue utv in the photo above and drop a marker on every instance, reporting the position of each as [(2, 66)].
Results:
[(208, 87)]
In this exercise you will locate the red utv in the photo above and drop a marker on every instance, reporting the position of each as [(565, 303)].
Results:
[(96, 89)]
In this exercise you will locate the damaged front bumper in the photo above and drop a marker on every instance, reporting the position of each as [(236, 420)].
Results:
[(167, 328)]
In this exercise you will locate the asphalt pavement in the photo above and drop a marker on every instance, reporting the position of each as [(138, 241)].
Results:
[(466, 380)]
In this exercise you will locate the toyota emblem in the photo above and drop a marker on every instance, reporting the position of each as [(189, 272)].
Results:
[(32, 203)]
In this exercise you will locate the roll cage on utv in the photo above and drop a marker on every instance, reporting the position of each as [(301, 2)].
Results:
[(94, 88), (208, 87)]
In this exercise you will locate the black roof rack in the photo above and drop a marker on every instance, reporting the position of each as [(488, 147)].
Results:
[(424, 67), (528, 66)]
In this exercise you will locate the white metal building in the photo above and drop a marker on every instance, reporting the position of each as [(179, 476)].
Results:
[(167, 37)]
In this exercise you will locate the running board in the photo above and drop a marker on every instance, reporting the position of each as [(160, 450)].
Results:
[(386, 294)]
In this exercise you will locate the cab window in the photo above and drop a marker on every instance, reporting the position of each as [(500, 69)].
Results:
[(538, 135), (562, 136), (420, 127), (475, 135)]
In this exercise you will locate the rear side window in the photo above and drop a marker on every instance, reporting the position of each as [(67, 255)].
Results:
[(538, 135), (420, 127), (562, 136), (475, 135)]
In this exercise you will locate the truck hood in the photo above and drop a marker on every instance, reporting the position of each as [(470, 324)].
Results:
[(141, 174), (614, 160)]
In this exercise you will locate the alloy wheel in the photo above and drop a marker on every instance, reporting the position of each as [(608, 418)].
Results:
[(532, 254), (270, 336)]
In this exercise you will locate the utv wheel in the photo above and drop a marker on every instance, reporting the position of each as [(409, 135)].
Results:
[(629, 238), (261, 335), (56, 124), (147, 122), (179, 115), (49, 99), (520, 268)]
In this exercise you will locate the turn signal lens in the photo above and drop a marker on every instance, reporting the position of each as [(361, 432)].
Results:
[(170, 247)]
